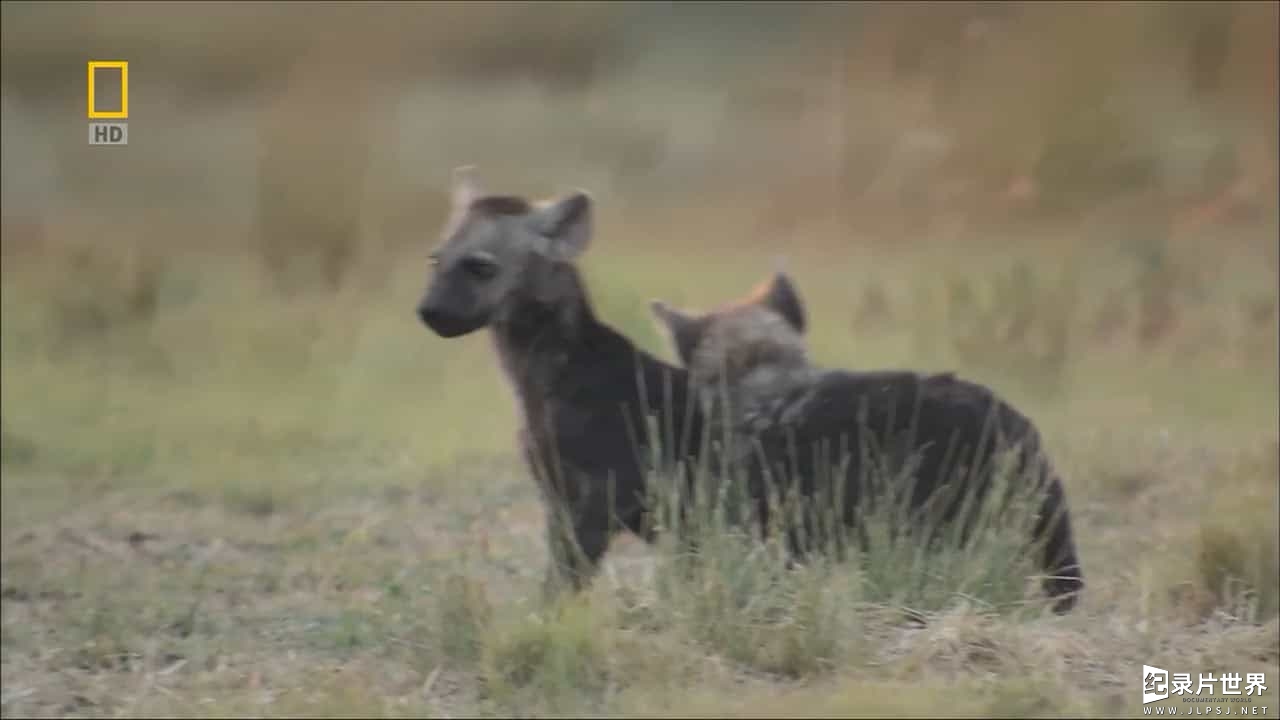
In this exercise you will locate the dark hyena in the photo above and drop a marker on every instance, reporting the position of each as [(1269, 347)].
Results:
[(585, 392), (751, 355)]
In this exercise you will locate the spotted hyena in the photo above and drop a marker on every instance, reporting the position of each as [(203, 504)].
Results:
[(744, 358), (749, 364), (585, 393)]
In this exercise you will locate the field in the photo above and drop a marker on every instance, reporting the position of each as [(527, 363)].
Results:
[(235, 485)]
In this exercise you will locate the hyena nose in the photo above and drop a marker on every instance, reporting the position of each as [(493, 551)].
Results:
[(444, 321), (427, 314)]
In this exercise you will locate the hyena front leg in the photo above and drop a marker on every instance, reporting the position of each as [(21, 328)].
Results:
[(561, 539), (577, 542), (560, 548)]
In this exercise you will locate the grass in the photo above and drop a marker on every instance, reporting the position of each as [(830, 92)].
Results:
[(237, 503)]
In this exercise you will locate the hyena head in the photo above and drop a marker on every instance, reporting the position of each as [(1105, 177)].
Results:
[(499, 251), (755, 338)]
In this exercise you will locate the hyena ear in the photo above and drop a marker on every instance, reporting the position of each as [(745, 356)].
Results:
[(565, 225), (684, 330), (783, 298), (466, 188)]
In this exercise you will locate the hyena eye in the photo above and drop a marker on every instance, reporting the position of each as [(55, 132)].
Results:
[(433, 259), (480, 266)]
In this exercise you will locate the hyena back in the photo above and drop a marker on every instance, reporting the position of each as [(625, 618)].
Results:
[(946, 432), (593, 406)]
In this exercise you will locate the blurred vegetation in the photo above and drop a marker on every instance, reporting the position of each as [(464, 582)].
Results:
[(883, 116), (319, 140)]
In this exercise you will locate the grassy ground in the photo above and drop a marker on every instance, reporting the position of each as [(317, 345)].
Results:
[(225, 502)]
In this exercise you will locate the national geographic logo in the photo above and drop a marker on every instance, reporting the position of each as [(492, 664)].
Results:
[(108, 99)]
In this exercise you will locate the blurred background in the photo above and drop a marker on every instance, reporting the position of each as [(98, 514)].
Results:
[(1105, 174), (1013, 189), (331, 128)]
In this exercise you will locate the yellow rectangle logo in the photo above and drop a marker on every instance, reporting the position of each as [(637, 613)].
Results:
[(112, 111)]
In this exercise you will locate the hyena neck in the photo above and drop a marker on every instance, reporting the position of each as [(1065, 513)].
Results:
[(758, 397), (537, 337)]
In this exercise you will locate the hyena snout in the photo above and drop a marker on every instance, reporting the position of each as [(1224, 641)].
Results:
[(446, 320)]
